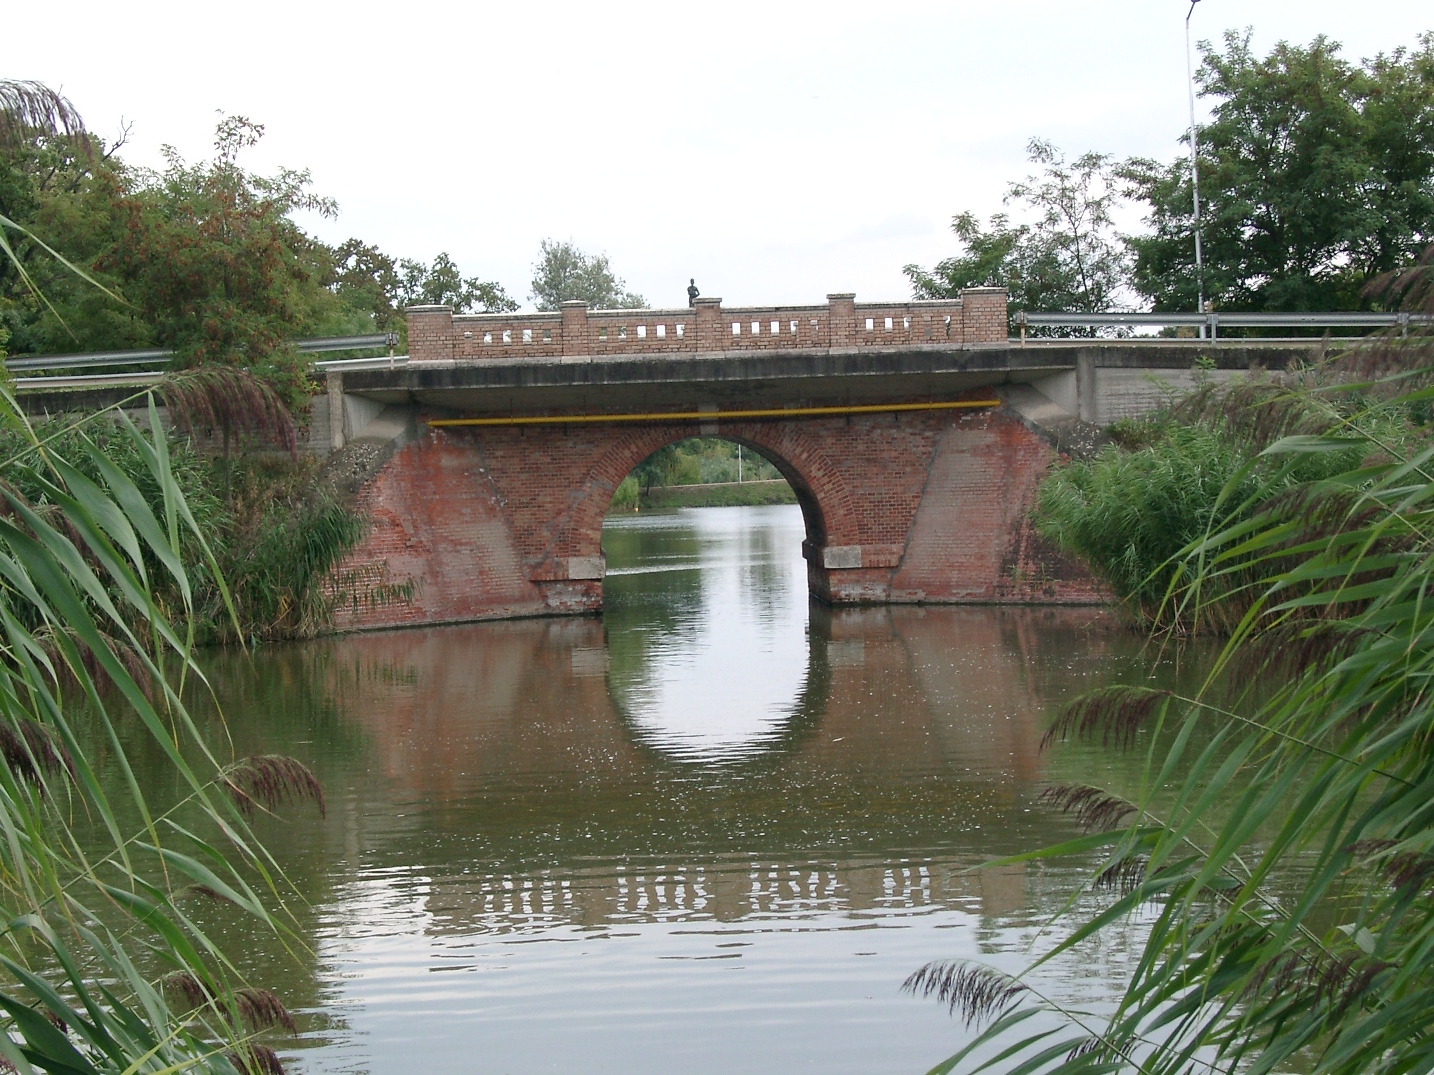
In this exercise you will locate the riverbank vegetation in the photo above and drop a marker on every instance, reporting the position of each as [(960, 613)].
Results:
[(1280, 844), (104, 882), (271, 525), (1203, 465)]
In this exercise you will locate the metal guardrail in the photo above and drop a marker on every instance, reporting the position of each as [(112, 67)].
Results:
[(150, 355), (1211, 322), (342, 365)]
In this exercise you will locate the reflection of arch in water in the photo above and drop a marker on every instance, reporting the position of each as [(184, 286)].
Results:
[(760, 754)]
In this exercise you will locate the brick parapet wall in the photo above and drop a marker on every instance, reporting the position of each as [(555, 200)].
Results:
[(435, 334)]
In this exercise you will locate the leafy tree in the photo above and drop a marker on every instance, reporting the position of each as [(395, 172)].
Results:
[(56, 181), (564, 273), (367, 280), (441, 284), (1315, 176), (210, 257), (667, 466), (1064, 255), (207, 256)]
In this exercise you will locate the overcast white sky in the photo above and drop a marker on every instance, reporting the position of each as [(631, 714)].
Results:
[(776, 151)]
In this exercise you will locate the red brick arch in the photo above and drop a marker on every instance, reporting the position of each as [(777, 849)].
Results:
[(507, 520), (822, 494)]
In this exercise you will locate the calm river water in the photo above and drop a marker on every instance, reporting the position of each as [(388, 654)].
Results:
[(711, 831)]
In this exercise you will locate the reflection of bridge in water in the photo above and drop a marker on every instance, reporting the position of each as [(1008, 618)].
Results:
[(714, 891), (501, 747)]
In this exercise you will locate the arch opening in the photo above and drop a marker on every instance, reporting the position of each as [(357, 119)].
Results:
[(716, 471)]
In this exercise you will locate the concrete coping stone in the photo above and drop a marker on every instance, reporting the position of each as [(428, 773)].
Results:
[(539, 315), (665, 314)]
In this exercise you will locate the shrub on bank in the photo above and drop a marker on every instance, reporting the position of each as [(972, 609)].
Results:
[(1200, 467)]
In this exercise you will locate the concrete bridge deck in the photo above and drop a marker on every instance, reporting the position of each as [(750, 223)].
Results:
[(1059, 368)]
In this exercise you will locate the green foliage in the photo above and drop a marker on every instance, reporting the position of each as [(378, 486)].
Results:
[(207, 256), (701, 460), (273, 531), (279, 545), (1170, 480), (625, 496), (56, 202), (748, 494), (211, 259), (659, 480), (103, 966), (565, 273), (1279, 849), (1066, 256), (441, 284), (1126, 513), (1316, 175)]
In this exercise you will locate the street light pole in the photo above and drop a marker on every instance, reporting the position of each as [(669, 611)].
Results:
[(1194, 168)]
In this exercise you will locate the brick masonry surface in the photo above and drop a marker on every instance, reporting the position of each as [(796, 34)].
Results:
[(907, 508), (436, 334)]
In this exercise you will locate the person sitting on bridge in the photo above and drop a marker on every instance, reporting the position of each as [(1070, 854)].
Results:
[(692, 291)]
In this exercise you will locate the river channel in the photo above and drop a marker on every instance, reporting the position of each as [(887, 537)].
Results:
[(711, 831)]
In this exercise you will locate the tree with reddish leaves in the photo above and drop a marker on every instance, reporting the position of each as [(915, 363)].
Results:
[(209, 255)]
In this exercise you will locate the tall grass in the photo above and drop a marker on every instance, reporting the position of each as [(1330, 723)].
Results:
[(1281, 845), (278, 544), (274, 531), (103, 967)]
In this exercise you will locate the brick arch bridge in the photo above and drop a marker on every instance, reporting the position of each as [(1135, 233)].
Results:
[(914, 434), (507, 521)]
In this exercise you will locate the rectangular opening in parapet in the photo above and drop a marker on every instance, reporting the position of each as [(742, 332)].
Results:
[(507, 335), (906, 323), (527, 335), (870, 324), (661, 332), (756, 328), (888, 324), (622, 332), (680, 329), (736, 328), (602, 334), (794, 327), (642, 332), (547, 335), (776, 328), (487, 337)]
